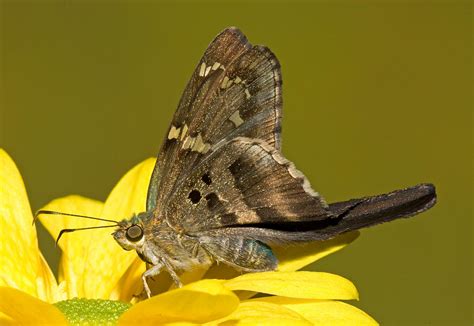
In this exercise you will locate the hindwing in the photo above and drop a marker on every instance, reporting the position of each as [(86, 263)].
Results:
[(243, 182)]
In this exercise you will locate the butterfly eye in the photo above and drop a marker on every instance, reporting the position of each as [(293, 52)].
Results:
[(134, 233)]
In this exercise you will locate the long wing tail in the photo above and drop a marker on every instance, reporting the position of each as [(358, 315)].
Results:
[(350, 215), (360, 213)]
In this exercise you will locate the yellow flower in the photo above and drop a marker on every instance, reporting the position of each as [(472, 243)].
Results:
[(95, 268)]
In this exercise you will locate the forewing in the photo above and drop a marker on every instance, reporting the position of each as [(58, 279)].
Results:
[(244, 182), (234, 91)]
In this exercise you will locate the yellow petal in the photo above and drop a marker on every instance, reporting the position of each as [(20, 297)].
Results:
[(130, 284), (5, 320), (222, 271), (197, 302), (24, 309), (295, 257), (321, 312), (21, 265), (308, 285), (76, 205), (193, 275), (75, 246), (262, 313), (47, 282), (106, 261)]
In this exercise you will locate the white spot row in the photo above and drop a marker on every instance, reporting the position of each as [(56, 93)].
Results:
[(236, 118), (177, 133), (204, 70), (195, 144), (227, 82)]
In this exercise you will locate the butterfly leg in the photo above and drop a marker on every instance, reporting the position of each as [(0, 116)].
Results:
[(153, 271), (173, 275)]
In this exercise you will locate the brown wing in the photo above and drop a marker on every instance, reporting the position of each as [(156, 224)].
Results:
[(244, 182), (235, 90)]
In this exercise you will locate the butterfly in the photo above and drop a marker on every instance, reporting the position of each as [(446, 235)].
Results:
[(222, 191)]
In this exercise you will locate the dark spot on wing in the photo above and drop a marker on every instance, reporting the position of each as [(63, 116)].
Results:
[(206, 178), (195, 196), (228, 219), (235, 167), (212, 200)]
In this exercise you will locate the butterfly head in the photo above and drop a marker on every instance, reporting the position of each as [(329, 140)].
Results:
[(130, 233)]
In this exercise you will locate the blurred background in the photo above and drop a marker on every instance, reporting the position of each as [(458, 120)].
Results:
[(377, 96)]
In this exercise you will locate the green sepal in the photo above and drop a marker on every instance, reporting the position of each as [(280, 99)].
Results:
[(92, 311)]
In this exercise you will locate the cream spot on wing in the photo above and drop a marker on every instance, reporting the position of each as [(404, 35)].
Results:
[(294, 172), (306, 185), (174, 133), (184, 131), (188, 142), (236, 119), (280, 159), (237, 80), (307, 188), (206, 148), (247, 93), (199, 144), (208, 69), (203, 69), (215, 65), (196, 144), (224, 82)]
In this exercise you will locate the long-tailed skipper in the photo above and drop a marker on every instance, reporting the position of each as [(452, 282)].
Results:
[(222, 191)]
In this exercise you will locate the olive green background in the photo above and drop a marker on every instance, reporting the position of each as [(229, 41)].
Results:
[(377, 96)]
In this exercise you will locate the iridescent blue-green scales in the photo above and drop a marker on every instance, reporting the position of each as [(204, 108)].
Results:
[(221, 190)]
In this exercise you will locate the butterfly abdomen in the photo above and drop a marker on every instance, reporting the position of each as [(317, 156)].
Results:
[(242, 253)]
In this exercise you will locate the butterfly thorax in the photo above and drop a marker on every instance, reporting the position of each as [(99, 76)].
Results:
[(156, 241), (173, 247)]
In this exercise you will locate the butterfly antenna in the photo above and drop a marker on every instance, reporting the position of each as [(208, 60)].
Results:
[(80, 229), (46, 212)]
